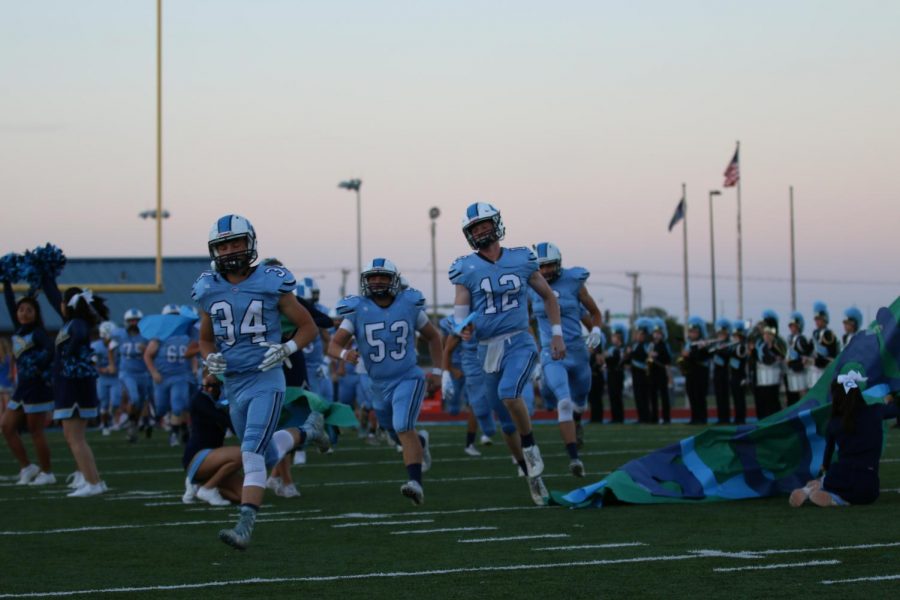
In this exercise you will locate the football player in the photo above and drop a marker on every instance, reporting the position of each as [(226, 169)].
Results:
[(491, 306), (384, 320), (133, 373), (240, 338), (569, 379)]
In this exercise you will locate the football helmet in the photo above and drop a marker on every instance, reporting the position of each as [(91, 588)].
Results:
[(228, 228), (304, 291), (549, 254), (133, 314), (171, 309), (313, 288), (380, 266), (107, 328), (476, 213)]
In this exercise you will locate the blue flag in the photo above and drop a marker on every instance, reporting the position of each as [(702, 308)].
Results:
[(679, 215), (774, 456)]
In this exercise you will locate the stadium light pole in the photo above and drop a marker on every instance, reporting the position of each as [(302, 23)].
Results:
[(712, 253), (433, 214), (354, 185)]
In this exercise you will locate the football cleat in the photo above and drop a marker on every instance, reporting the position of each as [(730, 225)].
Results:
[(471, 450), (539, 494), (426, 452), (413, 490), (314, 426), (533, 460), (239, 537), (576, 467)]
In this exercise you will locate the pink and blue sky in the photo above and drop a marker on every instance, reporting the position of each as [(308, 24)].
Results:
[(579, 120)]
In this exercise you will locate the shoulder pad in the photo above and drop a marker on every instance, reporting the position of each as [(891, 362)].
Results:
[(280, 279), (579, 274), (347, 305), (198, 290), (524, 251), (415, 297), (456, 269)]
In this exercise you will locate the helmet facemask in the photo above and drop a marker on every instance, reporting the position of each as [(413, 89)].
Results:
[(495, 234), (379, 289), (233, 262)]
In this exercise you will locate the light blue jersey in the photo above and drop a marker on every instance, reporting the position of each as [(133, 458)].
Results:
[(386, 336), (566, 288), (244, 315), (131, 348), (170, 359), (497, 290)]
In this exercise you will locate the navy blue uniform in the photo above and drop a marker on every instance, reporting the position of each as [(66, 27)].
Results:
[(33, 350), (854, 476)]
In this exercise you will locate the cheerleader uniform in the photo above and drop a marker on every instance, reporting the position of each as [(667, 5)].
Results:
[(33, 351)]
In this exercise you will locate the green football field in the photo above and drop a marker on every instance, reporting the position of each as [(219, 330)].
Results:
[(352, 534)]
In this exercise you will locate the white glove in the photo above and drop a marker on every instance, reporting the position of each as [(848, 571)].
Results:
[(447, 387), (595, 338), (323, 371), (537, 373), (277, 354), (215, 363)]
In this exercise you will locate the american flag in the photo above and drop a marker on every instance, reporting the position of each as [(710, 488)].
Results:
[(733, 172)]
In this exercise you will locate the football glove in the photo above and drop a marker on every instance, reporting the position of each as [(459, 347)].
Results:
[(215, 364), (447, 388), (595, 338), (277, 354)]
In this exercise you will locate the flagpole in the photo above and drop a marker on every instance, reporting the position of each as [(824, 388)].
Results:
[(793, 255), (712, 252), (685, 247), (740, 254)]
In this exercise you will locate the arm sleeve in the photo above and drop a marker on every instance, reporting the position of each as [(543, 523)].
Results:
[(347, 325), (10, 302), (51, 290), (421, 320)]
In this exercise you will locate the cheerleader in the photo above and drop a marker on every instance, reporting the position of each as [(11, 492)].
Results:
[(74, 378), (32, 400), (855, 429), (800, 351)]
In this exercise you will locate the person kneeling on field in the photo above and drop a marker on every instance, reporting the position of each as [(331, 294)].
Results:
[(214, 471), (855, 428)]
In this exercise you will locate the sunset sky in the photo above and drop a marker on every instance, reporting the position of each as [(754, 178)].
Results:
[(579, 120)]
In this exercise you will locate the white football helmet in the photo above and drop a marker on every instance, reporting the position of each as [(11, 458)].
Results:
[(107, 328), (227, 228), (133, 314), (304, 291), (380, 266), (171, 309), (549, 254), (476, 213), (313, 286)]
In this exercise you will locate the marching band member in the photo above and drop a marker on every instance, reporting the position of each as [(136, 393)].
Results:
[(770, 352), (800, 351), (737, 370), (695, 365), (825, 344), (721, 353), (853, 320)]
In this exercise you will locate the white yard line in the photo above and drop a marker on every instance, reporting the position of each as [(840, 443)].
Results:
[(443, 530), (810, 563), (356, 576), (512, 538), (589, 547), (373, 523), (861, 579)]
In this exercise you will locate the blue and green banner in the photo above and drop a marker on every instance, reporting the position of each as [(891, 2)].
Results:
[(774, 456)]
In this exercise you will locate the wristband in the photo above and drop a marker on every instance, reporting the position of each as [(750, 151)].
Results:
[(556, 330), (291, 345), (437, 371), (344, 353)]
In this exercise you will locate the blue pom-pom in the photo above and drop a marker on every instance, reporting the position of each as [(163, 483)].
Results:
[(10, 267), (44, 262)]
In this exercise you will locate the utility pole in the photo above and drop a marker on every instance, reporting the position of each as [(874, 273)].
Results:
[(635, 296)]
